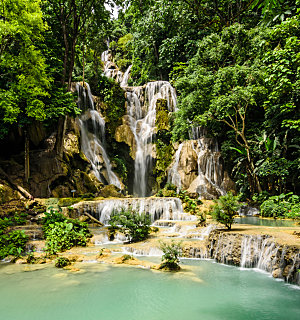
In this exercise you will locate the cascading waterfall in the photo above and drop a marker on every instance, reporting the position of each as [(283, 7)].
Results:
[(142, 115), (156, 208), (173, 174), (141, 110), (93, 141), (209, 171)]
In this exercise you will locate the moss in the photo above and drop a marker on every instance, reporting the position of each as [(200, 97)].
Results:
[(162, 115), (110, 191), (164, 147), (66, 202), (113, 106)]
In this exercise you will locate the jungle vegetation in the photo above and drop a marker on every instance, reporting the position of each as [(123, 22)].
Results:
[(235, 66)]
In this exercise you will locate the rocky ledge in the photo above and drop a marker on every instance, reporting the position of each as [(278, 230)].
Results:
[(260, 251)]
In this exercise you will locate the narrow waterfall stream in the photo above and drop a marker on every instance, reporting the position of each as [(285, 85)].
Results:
[(93, 137)]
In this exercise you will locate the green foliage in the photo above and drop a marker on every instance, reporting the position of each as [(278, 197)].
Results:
[(62, 262), (114, 102), (239, 83), (282, 206), (225, 208), (12, 242), (62, 234), (121, 167), (134, 225), (170, 258), (23, 79)]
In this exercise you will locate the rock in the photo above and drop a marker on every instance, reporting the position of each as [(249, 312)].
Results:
[(7, 193), (111, 191), (123, 133), (71, 144), (277, 273)]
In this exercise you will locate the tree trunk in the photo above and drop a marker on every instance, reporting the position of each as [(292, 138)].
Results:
[(59, 145), (83, 65), (27, 162), (71, 65)]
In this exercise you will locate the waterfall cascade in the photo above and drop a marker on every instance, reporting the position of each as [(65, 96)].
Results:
[(92, 127), (141, 112), (157, 208), (141, 109), (206, 174)]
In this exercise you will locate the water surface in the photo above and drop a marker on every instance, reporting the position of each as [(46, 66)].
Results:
[(207, 290), (265, 222)]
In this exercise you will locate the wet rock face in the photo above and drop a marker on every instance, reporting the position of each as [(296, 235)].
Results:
[(198, 168)]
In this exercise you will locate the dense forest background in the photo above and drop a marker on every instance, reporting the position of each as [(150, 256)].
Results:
[(235, 66)]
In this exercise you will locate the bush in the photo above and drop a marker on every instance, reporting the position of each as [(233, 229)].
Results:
[(135, 226), (170, 258), (12, 242), (62, 233), (62, 262), (225, 209), (190, 205), (282, 206)]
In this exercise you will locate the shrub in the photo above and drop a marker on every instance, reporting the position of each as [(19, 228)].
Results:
[(282, 206), (12, 242), (170, 258), (62, 262), (225, 208), (135, 226), (190, 205), (62, 233)]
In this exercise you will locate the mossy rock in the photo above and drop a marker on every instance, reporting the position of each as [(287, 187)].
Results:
[(111, 191), (66, 202), (169, 267)]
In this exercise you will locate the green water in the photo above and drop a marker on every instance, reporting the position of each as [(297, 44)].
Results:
[(265, 222), (205, 291)]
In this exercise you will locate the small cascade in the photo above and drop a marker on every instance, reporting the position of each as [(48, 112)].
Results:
[(111, 70), (143, 251), (256, 251), (156, 208), (204, 152), (173, 174), (259, 252), (92, 127)]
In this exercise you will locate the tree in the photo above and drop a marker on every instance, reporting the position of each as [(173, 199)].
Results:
[(135, 225), (170, 258), (70, 21), (225, 208), (23, 79)]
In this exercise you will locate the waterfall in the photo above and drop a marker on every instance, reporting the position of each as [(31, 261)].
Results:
[(173, 174), (93, 136), (209, 179), (156, 208), (142, 114)]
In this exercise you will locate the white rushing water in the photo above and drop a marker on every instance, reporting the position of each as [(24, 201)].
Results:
[(141, 109), (93, 137), (209, 170), (156, 208)]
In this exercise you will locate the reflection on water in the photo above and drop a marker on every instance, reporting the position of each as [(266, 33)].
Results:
[(265, 222)]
